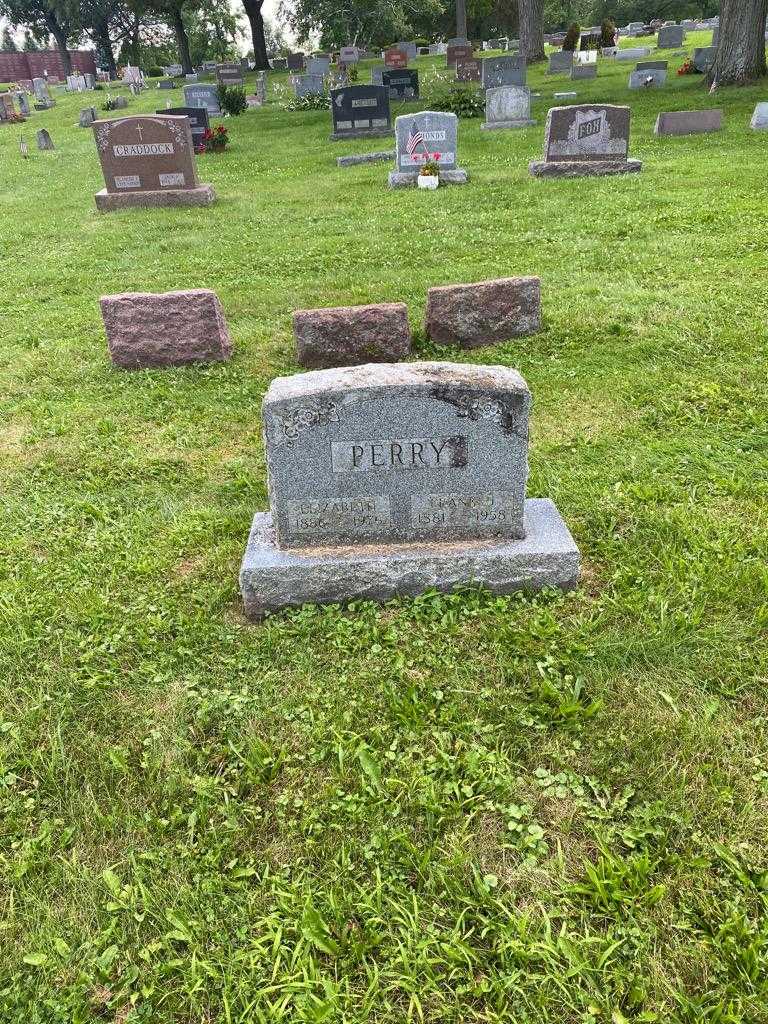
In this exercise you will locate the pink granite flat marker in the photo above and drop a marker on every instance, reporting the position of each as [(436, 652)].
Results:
[(170, 329)]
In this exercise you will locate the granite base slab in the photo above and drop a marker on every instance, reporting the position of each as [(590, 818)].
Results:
[(583, 168), (403, 179), (272, 578), (489, 126), (380, 156), (202, 195)]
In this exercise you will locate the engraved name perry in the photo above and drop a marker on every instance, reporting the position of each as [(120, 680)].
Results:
[(400, 453)]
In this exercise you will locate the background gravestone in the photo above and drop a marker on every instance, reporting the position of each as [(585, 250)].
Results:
[(359, 111), (652, 65), (586, 140), (507, 106), (408, 48), (202, 95), (704, 58), (670, 37), (395, 58), (148, 161), (498, 71), (229, 74), (580, 72), (319, 66), (349, 55), (560, 62), (457, 52), (468, 70), (403, 84), (308, 85), (688, 122), (647, 79), (295, 61), (198, 120), (396, 478), (44, 140)]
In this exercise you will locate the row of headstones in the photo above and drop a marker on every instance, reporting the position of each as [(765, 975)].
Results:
[(562, 61), (363, 458)]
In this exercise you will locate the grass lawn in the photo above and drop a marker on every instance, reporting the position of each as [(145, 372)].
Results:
[(454, 809)]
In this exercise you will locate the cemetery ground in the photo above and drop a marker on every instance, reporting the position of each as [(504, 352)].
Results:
[(450, 809)]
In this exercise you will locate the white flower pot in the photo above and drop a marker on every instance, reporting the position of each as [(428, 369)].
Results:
[(428, 181)]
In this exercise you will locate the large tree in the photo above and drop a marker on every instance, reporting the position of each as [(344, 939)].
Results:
[(741, 50), (531, 13), (7, 42), (256, 21), (107, 23), (58, 18)]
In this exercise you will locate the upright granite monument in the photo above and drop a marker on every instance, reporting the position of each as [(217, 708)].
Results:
[(388, 479), (148, 161), (509, 106), (586, 140), (360, 111), (428, 136)]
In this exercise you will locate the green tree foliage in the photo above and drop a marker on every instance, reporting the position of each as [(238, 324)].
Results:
[(57, 18), (7, 42)]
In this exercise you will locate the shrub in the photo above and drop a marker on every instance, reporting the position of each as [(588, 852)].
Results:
[(109, 104), (571, 40), (154, 72), (313, 101), (232, 99), (607, 32), (458, 98)]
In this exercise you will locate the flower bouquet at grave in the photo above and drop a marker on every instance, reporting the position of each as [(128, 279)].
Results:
[(214, 140), (687, 68), (14, 119)]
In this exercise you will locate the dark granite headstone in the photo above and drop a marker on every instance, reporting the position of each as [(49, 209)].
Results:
[(586, 139), (403, 84), (229, 74), (198, 120), (359, 111), (295, 61)]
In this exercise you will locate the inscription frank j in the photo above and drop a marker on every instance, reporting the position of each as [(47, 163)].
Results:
[(399, 454)]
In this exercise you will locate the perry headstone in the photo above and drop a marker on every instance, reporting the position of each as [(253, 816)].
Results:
[(508, 106), (360, 111), (148, 161), (585, 140), (202, 95), (394, 478)]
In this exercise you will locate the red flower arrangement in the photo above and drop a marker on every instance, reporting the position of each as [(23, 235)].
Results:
[(214, 140), (687, 68)]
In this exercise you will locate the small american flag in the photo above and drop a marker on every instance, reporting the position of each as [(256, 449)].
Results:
[(415, 138)]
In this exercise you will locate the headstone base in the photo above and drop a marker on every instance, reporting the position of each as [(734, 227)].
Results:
[(107, 202), (582, 168), (362, 133), (402, 179), (366, 158), (272, 578), (523, 123)]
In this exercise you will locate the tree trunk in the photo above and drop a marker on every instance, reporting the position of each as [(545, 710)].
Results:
[(461, 19), (531, 30), (256, 21), (741, 51), (59, 33), (104, 45), (177, 24)]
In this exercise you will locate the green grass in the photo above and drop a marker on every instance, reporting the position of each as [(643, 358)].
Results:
[(454, 809)]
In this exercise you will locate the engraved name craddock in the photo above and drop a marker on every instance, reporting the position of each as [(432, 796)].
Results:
[(389, 453)]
